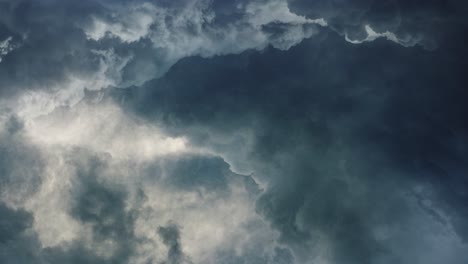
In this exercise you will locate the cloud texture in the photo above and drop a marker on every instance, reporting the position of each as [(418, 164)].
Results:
[(246, 131)]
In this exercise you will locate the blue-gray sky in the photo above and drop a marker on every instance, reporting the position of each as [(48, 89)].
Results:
[(226, 132)]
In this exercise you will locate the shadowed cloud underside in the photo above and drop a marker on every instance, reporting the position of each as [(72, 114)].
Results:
[(231, 132)]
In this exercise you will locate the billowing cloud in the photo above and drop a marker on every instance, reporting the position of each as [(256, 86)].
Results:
[(410, 22), (348, 158), (170, 236), (5, 47), (97, 44), (372, 35), (246, 131), (97, 197)]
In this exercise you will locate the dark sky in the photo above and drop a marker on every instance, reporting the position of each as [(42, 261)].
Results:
[(240, 131)]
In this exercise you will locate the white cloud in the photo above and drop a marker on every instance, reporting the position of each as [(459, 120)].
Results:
[(131, 24), (103, 127), (43, 100), (6, 47), (276, 11), (130, 148), (373, 35), (193, 29)]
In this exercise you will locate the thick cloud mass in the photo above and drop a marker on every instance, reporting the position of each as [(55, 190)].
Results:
[(425, 23), (246, 131), (355, 146)]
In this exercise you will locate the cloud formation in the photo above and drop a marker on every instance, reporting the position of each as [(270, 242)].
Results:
[(170, 236), (91, 201), (342, 145), (246, 131), (426, 24)]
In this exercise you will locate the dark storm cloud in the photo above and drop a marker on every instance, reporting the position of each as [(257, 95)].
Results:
[(16, 245), (96, 204), (20, 244), (279, 256), (21, 163), (352, 139), (103, 208), (13, 222), (47, 47), (362, 148), (200, 173), (170, 235), (414, 22), (196, 172), (144, 38), (46, 44)]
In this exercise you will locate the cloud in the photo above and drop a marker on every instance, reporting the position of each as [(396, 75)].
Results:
[(195, 131), (97, 44), (411, 23), (170, 236), (122, 136), (372, 35), (5, 47), (13, 223), (198, 28), (336, 138), (103, 203), (18, 181)]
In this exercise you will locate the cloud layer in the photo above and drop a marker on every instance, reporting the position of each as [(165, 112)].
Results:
[(262, 131)]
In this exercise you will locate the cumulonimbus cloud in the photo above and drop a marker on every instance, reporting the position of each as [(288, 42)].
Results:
[(196, 131)]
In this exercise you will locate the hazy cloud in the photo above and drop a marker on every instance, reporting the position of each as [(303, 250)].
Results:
[(244, 131)]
